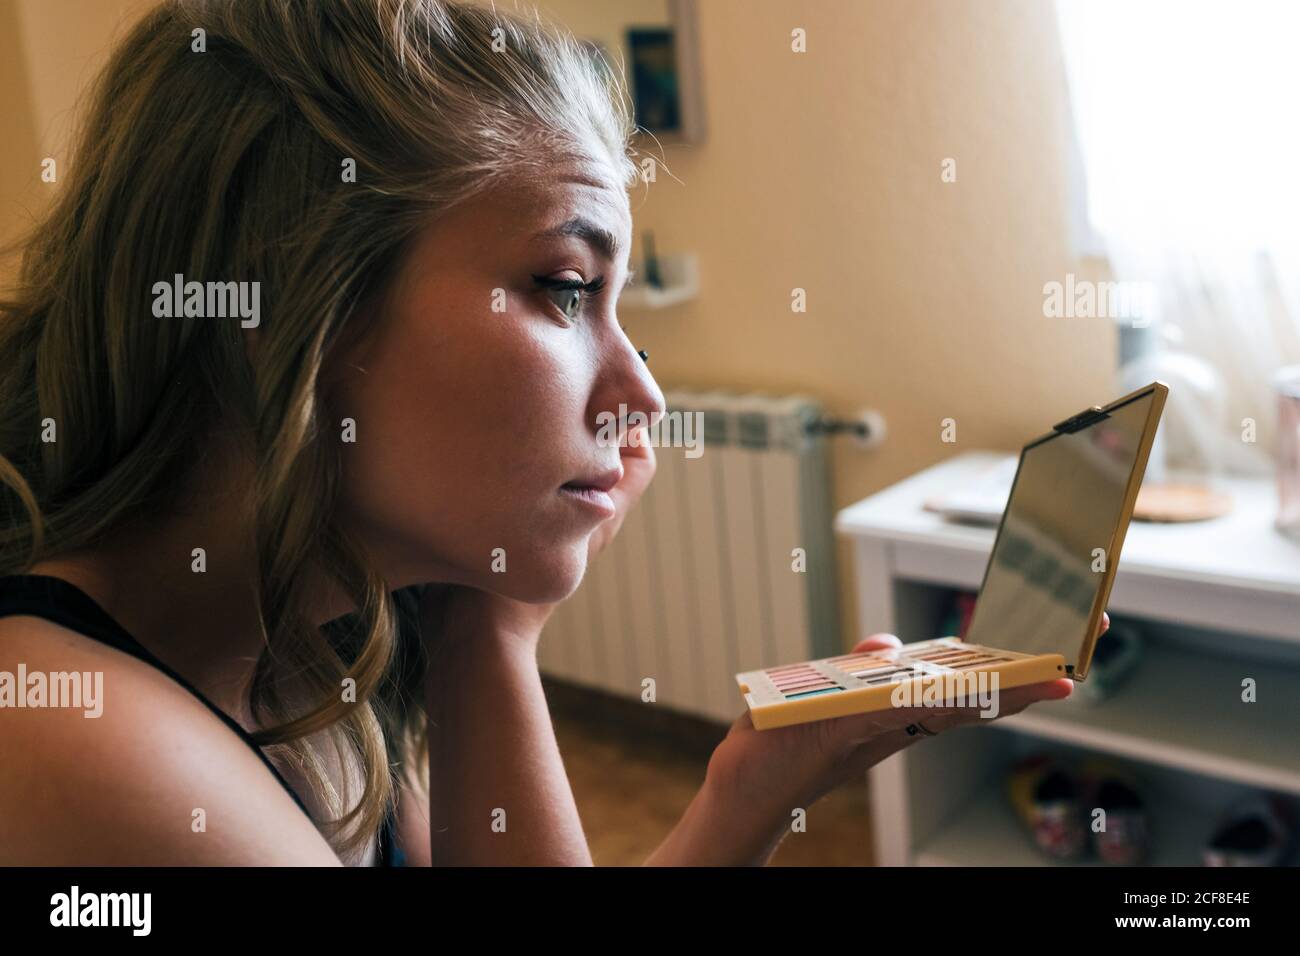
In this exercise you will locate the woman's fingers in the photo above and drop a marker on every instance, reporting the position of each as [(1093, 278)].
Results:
[(860, 728), (876, 642), (1058, 689), (859, 741), (1008, 702)]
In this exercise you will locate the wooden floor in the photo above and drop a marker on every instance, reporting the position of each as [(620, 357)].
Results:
[(635, 768)]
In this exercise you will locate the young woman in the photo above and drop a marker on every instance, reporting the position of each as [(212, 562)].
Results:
[(230, 513)]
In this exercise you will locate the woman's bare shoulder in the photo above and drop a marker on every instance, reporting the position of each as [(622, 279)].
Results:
[(110, 762)]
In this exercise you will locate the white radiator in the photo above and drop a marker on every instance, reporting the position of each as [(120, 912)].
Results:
[(701, 582)]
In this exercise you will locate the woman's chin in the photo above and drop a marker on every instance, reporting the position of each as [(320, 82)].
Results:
[(547, 584)]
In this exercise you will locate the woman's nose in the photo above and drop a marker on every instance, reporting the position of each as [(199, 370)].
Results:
[(629, 387), (650, 396)]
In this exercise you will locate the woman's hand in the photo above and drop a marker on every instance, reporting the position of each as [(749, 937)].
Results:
[(442, 606), (766, 775)]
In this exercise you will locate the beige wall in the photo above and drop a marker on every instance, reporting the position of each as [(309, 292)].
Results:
[(605, 22), (50, 50), (19, 152), (821, 171)]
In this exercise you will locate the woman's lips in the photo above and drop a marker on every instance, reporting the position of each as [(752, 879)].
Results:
[(600, 480), (593, 491), (590, 497)]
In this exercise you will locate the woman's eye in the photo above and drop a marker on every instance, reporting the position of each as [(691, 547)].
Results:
[(568, 294), (568, 300)]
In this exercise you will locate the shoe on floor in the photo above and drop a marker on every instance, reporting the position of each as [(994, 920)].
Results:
[(1047, 799)]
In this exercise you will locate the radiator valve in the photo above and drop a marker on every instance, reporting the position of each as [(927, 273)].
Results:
[(867, 430)]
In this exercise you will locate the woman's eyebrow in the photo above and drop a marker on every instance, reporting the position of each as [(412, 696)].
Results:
[(596, 236)]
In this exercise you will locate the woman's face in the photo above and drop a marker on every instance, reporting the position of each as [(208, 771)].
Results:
[(480, 397)]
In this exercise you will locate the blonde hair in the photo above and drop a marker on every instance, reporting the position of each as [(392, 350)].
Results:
[(228, 164)]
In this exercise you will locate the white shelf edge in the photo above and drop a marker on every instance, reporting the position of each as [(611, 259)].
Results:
[(1163, 753), (681, 276), (651, 298)]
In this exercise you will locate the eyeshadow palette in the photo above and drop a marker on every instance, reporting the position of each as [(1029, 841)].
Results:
[(865, 682)]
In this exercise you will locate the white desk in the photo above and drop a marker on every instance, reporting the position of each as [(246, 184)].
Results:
[(1221, 602)]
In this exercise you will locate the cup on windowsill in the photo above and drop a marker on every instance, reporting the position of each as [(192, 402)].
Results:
[(1287, 381)]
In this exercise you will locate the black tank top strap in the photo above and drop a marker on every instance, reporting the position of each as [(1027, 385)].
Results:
[(60, 601)]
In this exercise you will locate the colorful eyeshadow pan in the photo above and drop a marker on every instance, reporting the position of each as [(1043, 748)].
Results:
[(814, 693)]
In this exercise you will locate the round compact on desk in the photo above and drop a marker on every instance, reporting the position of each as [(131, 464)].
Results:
[(1169, 502)]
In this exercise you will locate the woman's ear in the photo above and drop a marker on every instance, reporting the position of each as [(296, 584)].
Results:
[(349, 353)]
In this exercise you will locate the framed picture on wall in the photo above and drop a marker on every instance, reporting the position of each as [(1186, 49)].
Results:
[(656, 81)]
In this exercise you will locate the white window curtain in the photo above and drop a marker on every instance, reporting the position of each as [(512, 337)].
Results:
[(1187, 115)]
